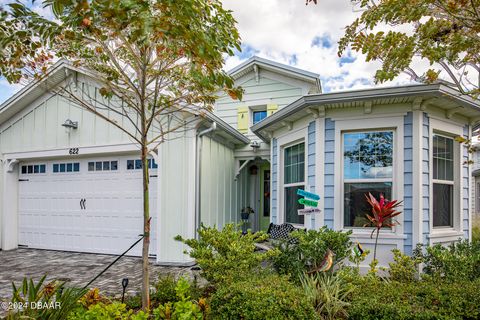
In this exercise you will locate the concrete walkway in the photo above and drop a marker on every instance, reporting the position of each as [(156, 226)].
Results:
[(77, 269)]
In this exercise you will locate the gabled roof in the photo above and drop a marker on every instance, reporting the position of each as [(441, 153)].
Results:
[(289, 71), (439, 94), (58, 73)]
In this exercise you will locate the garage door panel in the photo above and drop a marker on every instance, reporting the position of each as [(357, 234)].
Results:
[(52, 214)]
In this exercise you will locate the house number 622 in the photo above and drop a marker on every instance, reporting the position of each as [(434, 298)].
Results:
[(73, 151)]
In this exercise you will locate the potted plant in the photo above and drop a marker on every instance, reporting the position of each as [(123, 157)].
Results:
[(246, 212)]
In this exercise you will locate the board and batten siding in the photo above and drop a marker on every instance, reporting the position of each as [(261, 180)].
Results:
[(218, 205), (329, 174), (408, 182), (311, 163)]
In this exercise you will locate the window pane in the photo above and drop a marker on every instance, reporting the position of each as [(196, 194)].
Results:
[(130, 164), (138, 164), (442, 205), (55, 167), (76, 167), (30, 169), (292, 205), (355, 203), (106, 165), (24, 169), (62, 167), (154, 165), (368, 155), (294, 168), (114, 165), (98, 166), (69, 167), (91, 166), (442, 158), (259, 116), (43, 168), (36, 168)]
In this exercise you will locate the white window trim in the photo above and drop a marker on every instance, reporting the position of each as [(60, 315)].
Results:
[(286, 141), (394, 124), (450, 130)]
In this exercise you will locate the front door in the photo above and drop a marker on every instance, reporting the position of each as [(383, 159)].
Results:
[(264, 212)]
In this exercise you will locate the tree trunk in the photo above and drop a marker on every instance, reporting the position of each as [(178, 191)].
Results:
[(146, 231)]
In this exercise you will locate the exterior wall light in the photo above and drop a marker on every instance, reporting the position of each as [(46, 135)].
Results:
[(69, 125)]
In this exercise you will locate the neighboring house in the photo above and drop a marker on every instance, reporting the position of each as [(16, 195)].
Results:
[(80, 189), (396, 141)]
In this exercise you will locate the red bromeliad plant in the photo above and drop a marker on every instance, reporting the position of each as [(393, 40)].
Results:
[(383, 214)]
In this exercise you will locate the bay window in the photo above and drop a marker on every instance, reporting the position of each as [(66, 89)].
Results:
[(443, 181), (367, 167), (293, 179)]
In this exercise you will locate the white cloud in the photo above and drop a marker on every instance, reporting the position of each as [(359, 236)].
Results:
[(304, 36)]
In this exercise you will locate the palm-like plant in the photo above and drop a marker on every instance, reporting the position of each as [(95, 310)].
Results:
[(383, 214)]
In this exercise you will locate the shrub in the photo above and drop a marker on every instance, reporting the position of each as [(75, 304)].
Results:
[(227, 254), (377, 300), (404, 267), (328, 294), (308, 250), (183, 308), (476, 229), (459, 261), (264, 296), (107, 311)]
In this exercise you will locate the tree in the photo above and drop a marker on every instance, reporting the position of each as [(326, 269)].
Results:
[(442, 32), (154, 62)]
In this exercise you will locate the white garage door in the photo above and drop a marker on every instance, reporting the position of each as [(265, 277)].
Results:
[(85, 205)]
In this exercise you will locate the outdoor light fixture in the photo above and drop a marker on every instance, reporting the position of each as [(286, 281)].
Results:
[(255, 145), (69, 124), (124, 286)]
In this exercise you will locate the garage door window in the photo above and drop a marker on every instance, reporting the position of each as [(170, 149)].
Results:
[(34, 169), (103, 166), (66, 167), (137, 164)]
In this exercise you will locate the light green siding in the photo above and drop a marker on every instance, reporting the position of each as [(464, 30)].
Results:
[(218, 205)]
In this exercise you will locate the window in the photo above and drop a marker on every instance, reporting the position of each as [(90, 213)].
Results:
[(137, 164), (66, 167), (103, 166), (367, 167), (293, 179), (259, 116), (34, 169), (443, 181)]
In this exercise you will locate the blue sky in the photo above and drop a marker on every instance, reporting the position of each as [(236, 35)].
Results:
[(289, 32)]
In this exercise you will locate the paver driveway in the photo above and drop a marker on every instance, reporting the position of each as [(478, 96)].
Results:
[(76, 268)]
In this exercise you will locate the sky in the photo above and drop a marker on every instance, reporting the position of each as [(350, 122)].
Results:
[(288, 31)]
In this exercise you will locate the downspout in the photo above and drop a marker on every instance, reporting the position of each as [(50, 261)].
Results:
[(198, 163)]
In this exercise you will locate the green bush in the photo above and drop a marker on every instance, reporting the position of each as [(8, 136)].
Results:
[(457, 262), (377, 300), (476, 229), (227, 254), (262, 296), (107, 311), (307, 250), (404, 267)]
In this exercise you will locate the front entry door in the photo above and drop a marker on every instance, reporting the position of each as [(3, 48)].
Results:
[(264, 212)]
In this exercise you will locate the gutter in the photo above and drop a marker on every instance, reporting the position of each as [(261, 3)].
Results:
[(198, 176)]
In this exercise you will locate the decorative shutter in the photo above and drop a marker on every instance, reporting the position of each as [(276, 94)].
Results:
[(242, 119), (271, 109)]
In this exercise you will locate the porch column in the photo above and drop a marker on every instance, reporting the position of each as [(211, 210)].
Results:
[(9, 197), (417, 204)]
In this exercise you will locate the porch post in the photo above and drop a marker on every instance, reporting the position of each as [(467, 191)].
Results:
[(9, 205)]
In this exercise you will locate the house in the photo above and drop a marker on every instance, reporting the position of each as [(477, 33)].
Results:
[(71, 181)]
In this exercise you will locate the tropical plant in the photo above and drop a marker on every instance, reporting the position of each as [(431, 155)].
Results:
[(475, 229), (382, 216), (156, 66), (51, 301), (107, 311), (404, 268), (227, 254), (328, 294), (311, 251)]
